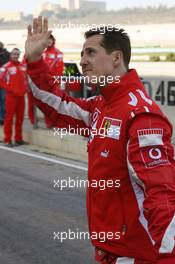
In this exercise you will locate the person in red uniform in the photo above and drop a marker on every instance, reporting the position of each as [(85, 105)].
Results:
[(14, 80), (54, 58), (131, 219)]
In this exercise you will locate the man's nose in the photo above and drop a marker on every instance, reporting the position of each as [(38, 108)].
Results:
[(83, 61)]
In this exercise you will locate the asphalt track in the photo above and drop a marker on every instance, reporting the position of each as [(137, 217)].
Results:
[(33, 207)]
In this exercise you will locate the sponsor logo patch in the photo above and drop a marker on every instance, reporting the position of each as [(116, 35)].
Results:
[(154, 156), (51, 56), (150, 137), (112, 127), (2, 69), (60, 56), (105, 153), (152, 149), (12, 70)]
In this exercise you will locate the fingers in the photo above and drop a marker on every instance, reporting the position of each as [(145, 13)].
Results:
[(49, 32), (39, 26), (29, 31), (45, 25), (35, 25), (39, 29)]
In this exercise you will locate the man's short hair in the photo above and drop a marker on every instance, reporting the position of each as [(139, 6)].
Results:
[(113, 39), (15, 49), (52, 37)]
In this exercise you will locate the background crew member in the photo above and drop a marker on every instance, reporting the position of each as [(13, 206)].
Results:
[(14, 75)]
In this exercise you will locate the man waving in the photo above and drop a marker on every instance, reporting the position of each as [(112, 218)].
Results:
[(136, 216)]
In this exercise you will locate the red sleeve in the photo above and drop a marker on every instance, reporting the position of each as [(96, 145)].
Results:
[(4, 78), (58, 66), (63, 110), (151, 165)]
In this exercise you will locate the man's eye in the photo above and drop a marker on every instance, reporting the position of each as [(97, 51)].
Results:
[(91, 51)]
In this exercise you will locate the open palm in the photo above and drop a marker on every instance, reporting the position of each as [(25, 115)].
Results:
[(37, 39)]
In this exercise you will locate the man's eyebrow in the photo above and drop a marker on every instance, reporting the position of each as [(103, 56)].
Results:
[(90, 48), (87, 49)]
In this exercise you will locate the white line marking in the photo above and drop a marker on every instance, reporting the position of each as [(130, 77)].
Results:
[(44, 158)]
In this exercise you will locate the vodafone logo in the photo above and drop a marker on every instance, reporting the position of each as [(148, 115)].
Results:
[(155, 153), (154, 156)]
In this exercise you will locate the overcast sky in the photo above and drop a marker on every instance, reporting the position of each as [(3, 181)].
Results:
[(28, 6)]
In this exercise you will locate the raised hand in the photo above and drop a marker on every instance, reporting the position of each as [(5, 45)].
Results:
[(37, 39)]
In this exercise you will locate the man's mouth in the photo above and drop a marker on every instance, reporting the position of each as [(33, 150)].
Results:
[(86, 70)]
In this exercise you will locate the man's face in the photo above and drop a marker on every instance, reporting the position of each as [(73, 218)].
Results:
[(15, 55), (95, 61), (50, 42)]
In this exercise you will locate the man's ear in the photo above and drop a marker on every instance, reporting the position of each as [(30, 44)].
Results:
[(117, 57)]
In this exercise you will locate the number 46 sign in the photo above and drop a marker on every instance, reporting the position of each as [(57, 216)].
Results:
[(161, 91)]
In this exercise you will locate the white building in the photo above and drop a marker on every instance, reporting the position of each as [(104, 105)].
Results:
[(71, 4), (77, 4), (94, 5), (10, 16), (46, 6)]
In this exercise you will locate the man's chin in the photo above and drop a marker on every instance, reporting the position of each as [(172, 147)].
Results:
[(90, 80), (93, 86)]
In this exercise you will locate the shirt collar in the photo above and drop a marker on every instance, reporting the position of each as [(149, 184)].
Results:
[(51, 47), (15, 63), (127, 81)]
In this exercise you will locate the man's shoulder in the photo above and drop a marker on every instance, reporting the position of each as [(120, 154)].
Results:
[(58, 52), (143, 112), (137, 103), (138, 98)]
